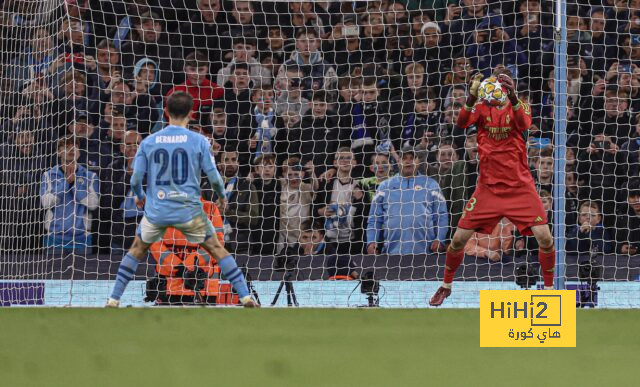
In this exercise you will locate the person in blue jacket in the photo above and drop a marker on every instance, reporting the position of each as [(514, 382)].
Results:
[(68, 192), (408, 214)]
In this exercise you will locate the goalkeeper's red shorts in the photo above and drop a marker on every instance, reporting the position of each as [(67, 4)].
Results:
[(522, 206)]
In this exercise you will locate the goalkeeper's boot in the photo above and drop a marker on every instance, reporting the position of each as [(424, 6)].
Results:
[(440, 295), (112, 303), (249, 302)]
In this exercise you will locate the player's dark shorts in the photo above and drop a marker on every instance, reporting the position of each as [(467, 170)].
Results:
[(522, 206)]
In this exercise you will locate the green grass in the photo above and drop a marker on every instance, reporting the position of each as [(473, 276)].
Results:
[(301, 347)]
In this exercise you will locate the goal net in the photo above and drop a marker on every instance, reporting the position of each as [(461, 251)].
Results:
[(334, 127)]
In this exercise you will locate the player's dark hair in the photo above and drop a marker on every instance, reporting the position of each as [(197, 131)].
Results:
[(179, 105)]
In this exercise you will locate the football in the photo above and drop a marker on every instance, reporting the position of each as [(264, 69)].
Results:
[(491, 91)]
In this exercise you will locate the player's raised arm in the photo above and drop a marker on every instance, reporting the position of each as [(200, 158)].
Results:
[(209, 168), (521, 111), (467, 115), (139, 171)]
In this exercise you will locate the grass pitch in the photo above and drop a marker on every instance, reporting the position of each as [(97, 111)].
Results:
[(300, 347)]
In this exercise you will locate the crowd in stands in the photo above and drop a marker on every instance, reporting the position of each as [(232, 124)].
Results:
[(333, 123)]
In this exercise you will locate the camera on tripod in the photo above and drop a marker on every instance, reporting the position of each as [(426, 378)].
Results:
[(286, 262), (370, 287)]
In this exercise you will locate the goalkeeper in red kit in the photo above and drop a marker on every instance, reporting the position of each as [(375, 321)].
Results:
[(505, 186)]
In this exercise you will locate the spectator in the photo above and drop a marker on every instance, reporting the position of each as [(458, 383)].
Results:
[(460, 23), (317, 74), (295, 202), (628, 223), (532, 33), (150, 41), (544, 169), (320, 135), (243, 20), (490, 45), (434, 54), (88, 142), (264, 236), (203, 91), (492, 246), (68, 192), (408, 214), (290, 91), (446, 156), (461, 183), (100, 70), (589, 235), (223, 137), (244, 51), (147, 104), (34, 61), (403, 104), (204, 32), (601, 170), (345, 48), (460, 74), (242, 208), (263, 123), (110, 146), (118, 214), (310, 242), (21, 165), (571, 197), (237, 97), (333, 204), (422, 125)]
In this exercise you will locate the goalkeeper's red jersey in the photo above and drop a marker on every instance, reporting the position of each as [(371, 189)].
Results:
[(501, 144)]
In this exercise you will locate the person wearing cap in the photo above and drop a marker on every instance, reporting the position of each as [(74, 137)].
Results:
[(408, 214), (435, 55)]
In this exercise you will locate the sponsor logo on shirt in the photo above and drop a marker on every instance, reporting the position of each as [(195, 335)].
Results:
[(499, 132)]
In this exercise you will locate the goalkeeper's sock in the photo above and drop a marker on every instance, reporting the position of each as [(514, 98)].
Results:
[(126, 271), (453, 261), (231, 272), (547, 263)]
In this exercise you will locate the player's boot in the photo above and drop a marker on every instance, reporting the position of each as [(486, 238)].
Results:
[(249, 302), (439, 296), (112, 303)]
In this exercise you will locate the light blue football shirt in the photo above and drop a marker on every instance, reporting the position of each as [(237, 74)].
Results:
[(173, 160)]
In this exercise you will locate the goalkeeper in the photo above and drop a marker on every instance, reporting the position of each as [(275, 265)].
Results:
[(505, 185)]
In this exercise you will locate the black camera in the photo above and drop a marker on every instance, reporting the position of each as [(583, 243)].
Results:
[(285, 262), (526, 275), (604, 145)]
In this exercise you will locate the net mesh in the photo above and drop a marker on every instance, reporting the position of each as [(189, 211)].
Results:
[(309, 107)]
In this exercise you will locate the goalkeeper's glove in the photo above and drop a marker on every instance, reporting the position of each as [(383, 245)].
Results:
[(476, 80)]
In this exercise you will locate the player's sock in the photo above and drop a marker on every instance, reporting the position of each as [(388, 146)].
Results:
[(451, 264), (231, 272), (547, 263), (126, 271)]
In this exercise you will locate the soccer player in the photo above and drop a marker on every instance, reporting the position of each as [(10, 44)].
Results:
[(173, 160), (505, 185)]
